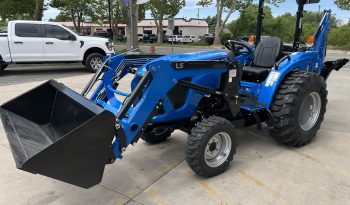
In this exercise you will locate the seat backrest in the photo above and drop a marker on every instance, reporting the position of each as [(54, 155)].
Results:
[(267, 52)]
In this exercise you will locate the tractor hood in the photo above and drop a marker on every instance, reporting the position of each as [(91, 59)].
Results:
[(219, 55)]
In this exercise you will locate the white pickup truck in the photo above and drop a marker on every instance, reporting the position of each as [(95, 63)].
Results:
[(32, 42)]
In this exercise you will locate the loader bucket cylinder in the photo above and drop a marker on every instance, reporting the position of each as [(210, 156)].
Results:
[(55, 132)]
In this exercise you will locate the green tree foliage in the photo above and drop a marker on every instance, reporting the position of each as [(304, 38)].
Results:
[(223, 6), (343, 4), (282, 26), (246, 23), (228, 7), (161, 8), (17, 9), (77, 11), (211, 23), (340, 37)]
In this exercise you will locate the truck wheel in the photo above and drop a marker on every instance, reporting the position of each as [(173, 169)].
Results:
[(298, 108), (157, 135), (3, 66), (211, 146), (94, 61)]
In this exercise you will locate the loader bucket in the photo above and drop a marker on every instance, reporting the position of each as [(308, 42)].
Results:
[(55, 132)]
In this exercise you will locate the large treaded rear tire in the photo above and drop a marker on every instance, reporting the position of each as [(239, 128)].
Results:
[(198, 141), (156, 137), (287, 105)]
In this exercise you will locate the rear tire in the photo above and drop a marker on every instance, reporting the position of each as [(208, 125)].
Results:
[(93, 62), (298, 108), (211, 146), (157, 135)]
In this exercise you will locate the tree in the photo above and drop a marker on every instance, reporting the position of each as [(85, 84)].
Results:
[(39, 10), (343, 4), (130, 14), (228, 6), (246, 23), (17, 9), (76, 10), (211, 23), (161, 8)]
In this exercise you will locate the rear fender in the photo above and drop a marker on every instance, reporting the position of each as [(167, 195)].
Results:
[(305, 61)]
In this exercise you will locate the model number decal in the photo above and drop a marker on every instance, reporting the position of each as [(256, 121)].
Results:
[(273, 77)]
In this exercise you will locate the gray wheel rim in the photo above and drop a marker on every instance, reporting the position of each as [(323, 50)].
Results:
[(310, 111), (218, 149), (96, 63)]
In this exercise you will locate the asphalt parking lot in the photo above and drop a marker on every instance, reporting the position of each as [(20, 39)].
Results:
[(263, 172)]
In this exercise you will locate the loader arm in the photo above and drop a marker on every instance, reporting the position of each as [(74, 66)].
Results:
[(150, 96), (58, 133)]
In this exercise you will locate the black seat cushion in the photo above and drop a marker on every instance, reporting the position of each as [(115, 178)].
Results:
[(266, 54), (255, 74)]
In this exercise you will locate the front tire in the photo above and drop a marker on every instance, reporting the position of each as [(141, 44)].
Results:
[(298, 108), (211, 146), (93, 62), (3, 66)]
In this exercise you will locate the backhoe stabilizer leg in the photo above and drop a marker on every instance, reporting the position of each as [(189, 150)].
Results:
[(329, 66)]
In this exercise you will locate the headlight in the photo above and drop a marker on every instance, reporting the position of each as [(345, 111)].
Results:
[(110, 45)]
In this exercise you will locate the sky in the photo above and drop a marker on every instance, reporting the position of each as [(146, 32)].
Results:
[(191, 10)]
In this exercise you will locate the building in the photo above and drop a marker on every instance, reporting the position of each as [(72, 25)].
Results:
[(198, 27)]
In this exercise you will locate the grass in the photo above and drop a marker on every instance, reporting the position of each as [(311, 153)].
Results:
[(125, 50), (345, 47)]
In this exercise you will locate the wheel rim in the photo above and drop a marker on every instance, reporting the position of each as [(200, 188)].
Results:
[(96, 63), (218, 149), (310, 111)]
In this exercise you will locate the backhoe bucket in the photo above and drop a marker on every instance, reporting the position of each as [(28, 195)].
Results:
[(55, 132)]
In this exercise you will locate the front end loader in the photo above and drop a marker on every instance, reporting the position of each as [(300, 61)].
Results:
[(58, 133)]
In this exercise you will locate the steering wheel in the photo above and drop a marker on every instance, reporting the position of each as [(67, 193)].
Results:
[(233, 46)]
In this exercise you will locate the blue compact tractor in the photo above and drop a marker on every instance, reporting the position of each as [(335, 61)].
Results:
[(56, 132)]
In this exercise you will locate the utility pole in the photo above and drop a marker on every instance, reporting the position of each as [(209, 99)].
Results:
[(198, 13), (110, 19)]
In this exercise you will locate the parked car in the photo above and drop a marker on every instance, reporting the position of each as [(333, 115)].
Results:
[(49, 42), (175, 38), (3, 31), (140, 37), (102, 34), (151, 38), (165, 38), (190, 39)]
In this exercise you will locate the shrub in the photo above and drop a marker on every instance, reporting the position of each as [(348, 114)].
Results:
[(225, 37), (201, 43)]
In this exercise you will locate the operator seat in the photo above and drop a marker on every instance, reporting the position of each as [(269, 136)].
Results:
[(268, 51)]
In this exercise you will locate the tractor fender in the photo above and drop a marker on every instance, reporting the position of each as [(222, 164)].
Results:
[(306, 61)]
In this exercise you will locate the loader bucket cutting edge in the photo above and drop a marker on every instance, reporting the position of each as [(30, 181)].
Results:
[(55, 132)]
